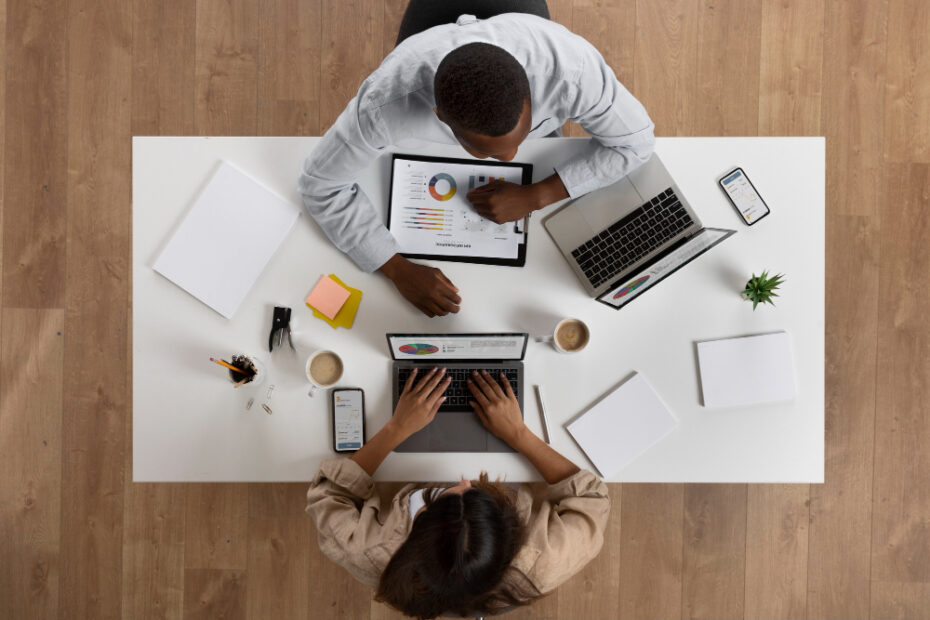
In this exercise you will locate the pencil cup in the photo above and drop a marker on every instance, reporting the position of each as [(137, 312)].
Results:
[(323, 370), (247, 363)]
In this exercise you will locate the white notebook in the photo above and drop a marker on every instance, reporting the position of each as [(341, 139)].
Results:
[(747, 371), (622, 425), (226, 239)]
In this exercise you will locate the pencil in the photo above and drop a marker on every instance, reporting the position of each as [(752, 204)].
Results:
[(542, 412), (231, 367)]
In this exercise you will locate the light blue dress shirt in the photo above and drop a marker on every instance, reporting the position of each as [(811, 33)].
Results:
[(568, 80)]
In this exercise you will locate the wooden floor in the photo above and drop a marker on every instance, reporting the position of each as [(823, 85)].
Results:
[(78, 77)]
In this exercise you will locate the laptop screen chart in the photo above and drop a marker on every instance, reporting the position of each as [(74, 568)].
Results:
[(632, 286), (418, 349), (461, 347)]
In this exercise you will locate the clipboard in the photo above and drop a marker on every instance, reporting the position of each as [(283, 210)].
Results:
[(426, 186)]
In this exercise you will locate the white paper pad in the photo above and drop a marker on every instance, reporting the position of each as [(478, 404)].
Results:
[(747, 371), (226, 240), (622, 425)]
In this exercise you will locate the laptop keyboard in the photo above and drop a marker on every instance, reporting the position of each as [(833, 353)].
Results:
[(630, 239), (458, 394)]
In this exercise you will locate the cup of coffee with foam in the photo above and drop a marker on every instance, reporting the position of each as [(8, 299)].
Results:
[(569, 336), (323, 370)]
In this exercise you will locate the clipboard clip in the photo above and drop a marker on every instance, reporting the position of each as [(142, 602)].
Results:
[(280, 327)]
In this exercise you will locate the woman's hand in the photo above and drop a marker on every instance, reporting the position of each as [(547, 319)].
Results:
[(497, 407), (419, 402)]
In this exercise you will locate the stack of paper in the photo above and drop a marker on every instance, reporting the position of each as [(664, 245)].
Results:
[(747, 371), (226, 240), (622, 425)]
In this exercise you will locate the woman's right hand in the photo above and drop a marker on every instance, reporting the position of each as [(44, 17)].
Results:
[(497, 407), (419, 401)]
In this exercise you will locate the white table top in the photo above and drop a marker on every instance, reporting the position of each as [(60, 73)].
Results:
[(190, 425)]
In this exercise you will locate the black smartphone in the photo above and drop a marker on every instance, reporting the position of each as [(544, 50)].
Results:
[(348, 405), (743, 195)]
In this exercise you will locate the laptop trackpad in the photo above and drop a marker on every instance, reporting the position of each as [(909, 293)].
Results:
[(610, 204), (457, 431)]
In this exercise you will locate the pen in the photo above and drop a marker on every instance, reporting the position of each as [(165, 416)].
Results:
[(542, 412), (230, 366)]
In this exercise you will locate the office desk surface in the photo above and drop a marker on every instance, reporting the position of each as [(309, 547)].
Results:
[(189, 424)]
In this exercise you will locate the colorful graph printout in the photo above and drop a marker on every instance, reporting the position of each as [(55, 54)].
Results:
[(442, 176), (418, 349), (430, 216), (632, 286)]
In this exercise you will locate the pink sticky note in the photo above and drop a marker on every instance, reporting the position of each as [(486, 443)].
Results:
[(327, 297)]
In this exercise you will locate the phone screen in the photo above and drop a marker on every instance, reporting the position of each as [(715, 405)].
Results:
[(348, 421), (744, 196)]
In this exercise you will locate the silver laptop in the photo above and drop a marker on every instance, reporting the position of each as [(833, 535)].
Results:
[(624, 238), (456, 427)]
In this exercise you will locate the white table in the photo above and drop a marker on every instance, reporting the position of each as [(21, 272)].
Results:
[(190, 425)]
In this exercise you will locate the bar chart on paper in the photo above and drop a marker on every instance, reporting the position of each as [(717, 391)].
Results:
[(430, 213)]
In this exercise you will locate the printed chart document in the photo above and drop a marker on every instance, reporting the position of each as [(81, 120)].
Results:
[(226, 239), (622, 425), (430, 215), (747, 371)]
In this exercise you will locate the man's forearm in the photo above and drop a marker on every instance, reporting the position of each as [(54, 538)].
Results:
[(391, 268), (549, 190)]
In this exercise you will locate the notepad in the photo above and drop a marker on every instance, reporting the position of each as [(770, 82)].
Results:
[(346, 315), (226, 239), (620, 427), (327, 297), (747, 371)]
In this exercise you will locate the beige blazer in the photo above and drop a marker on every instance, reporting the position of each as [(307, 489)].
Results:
[(361, 531)]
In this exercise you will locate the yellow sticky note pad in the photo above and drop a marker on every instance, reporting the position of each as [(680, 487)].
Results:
[(346, 315)]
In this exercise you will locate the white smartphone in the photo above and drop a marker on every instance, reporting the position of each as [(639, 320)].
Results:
[(348, 419), (743, 195)]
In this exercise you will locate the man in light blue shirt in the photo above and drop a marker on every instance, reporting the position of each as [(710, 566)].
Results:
[(487, 85)]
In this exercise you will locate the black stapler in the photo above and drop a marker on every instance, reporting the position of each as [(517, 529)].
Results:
[(280, 327)]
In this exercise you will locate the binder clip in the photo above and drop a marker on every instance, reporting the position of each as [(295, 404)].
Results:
[(280, 327)]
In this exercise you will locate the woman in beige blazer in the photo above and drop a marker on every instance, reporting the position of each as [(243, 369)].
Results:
[(473, 547)]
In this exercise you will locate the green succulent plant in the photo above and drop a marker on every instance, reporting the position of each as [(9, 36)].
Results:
[(761, 289)]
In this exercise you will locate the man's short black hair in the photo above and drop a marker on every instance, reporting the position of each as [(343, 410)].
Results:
[(481, 88)]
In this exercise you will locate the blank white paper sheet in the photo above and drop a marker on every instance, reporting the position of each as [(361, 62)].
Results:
[(622, 425), (747, 371), (227, 238)]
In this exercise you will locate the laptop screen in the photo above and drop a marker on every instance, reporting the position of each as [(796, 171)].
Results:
[(628, 289), (422, 347)]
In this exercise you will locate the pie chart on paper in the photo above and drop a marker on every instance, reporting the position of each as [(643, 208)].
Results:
[(418, 349)]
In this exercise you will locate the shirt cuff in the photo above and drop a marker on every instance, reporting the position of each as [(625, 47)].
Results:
[(581, 484), (375, 250), (348, 474)]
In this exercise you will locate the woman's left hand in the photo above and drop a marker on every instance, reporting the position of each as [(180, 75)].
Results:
[(420, 400)]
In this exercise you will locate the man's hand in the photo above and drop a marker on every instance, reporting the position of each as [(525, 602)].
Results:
[(419, 402), (497, 407), (427, 288), (500, 201)]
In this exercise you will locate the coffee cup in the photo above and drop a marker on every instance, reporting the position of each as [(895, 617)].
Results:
[(569, 336), (323, 370)]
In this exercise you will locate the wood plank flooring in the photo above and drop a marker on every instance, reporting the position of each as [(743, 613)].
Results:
[(78, 78)]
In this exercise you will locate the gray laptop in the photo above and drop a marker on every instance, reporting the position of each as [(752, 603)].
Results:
[(624, 238), (456, 427)]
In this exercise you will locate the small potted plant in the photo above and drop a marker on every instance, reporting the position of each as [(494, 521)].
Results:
[(761, 289)]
